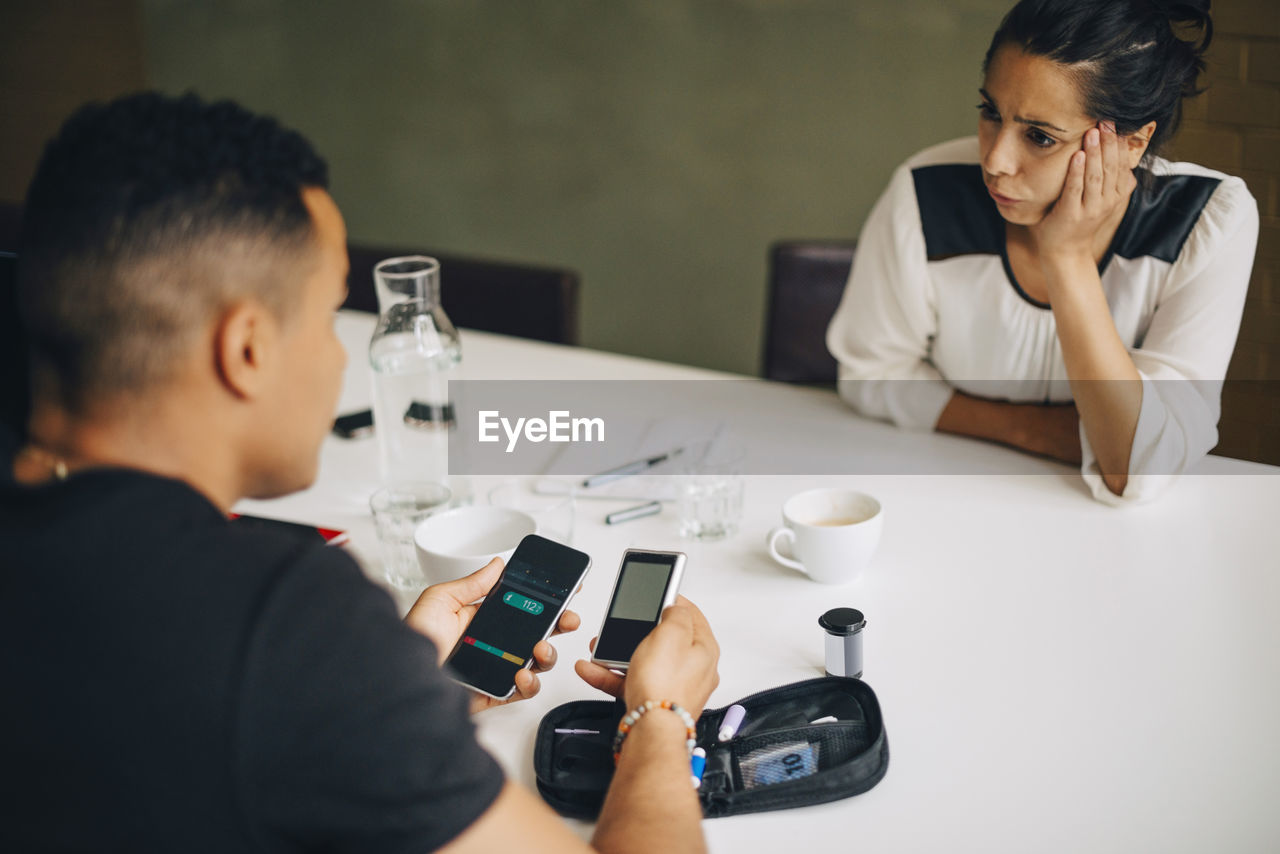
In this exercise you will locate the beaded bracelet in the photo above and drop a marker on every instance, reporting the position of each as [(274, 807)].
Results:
[(630, 718)]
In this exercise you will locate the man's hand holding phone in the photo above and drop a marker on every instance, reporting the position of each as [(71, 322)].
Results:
[(676, 661), (443, 612)]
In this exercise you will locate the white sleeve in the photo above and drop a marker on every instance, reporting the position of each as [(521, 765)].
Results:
[(882, 330), (1183, 358)]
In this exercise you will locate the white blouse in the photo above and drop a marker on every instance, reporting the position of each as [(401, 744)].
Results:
[(932, 306)]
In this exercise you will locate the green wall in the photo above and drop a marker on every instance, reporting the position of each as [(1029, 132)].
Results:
[(657, 147)]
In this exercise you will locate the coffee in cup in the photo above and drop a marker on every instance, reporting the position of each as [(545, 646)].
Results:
[(831, 534)]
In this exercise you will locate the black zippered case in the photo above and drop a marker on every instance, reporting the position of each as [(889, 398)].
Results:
[(777, 760)]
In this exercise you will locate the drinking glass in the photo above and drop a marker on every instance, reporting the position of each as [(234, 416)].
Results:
[(711, 489), (398, 509)]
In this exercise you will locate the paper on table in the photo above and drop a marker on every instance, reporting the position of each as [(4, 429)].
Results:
[(633, 488), (650, 439)]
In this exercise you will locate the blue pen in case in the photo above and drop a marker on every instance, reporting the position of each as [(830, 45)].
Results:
[(697, 765)]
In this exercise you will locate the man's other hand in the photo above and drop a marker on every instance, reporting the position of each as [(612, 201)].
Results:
[(676, 661)]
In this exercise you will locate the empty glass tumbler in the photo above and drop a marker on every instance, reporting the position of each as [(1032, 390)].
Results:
[(398, 510), (711, 489)]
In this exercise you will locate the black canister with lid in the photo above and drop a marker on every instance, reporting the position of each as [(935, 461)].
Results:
[(844, 641)]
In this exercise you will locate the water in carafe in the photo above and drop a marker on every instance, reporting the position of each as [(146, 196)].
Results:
[(414, 353)]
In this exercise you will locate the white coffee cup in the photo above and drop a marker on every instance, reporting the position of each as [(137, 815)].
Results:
[(830, 533), (458, 542)]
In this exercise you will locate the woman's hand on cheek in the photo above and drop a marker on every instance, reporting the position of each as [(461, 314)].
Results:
[(1094, 196)]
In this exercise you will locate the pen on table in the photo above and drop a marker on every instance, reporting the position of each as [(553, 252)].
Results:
[(629, 469), (637, 512)]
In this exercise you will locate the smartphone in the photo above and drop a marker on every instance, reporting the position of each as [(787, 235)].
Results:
[(647, 583), (354, 424), (521, 609)]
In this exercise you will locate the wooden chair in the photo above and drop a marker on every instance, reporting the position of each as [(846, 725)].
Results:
[(806, 281)]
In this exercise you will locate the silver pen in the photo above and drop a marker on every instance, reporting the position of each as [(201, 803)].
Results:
[(637, 512), (629, 469)]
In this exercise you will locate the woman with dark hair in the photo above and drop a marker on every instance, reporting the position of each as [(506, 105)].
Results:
[(1053, 284)]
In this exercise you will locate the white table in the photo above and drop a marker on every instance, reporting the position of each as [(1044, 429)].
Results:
[(1055, 674)]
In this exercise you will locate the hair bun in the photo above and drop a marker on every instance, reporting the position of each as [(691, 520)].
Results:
[(1192, 26), (1169, 7), (1194, 12)]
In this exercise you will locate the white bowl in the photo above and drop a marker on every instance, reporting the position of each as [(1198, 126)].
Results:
[(458, 542)]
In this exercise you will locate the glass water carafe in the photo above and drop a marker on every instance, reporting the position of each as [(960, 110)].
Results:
[(414, 353)]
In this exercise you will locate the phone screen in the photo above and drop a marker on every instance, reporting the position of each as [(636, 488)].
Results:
[(636, 606), (519, 611)]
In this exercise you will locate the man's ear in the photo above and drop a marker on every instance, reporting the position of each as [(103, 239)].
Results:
[(1136, 143), (244, 342)]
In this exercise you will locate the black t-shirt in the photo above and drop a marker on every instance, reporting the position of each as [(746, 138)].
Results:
[(173, 682)]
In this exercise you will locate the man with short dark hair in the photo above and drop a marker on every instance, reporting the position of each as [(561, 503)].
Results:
[(175, 682)]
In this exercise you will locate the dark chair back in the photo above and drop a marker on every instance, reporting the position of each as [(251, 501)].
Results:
[(15, 392), (10, 226), (806, 280), (15, 396), (529, 302)]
